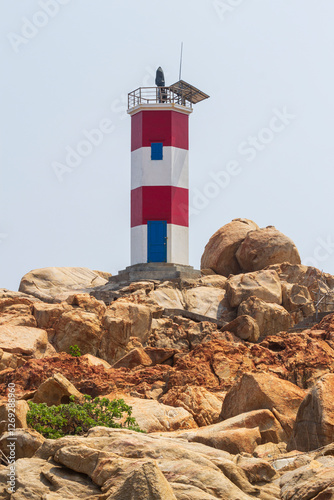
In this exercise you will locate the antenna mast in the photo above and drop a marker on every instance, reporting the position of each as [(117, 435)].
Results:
[(181, 60)]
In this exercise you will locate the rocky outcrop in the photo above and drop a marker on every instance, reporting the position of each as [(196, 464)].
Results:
[(262, 284), (270, 318), (167, 297), (56, 390), (16, 312), (298, 301), (109, 458), (208, 301), (255, 391), (204, 406), (314, 425), (146, 482), (21, 410), (264, 247), (25, 341), (139, 317), (314, 480), (241, 433), (54, 284), (244, 327), (177, 374), (153, 416), (27, 442), (219, 253), (313, 279), (78, 327)]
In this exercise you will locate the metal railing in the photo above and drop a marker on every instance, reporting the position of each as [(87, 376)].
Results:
[(156, 95)]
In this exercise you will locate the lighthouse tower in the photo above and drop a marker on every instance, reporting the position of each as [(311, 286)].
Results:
[(160, 179)]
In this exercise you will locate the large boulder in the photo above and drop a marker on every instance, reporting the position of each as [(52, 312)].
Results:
[(244, 327), (36, 478), (270, 318), (204, 406), (21, 410), (56, 390), (262, 284), (297, 300), (26, 441), (168, 297), (208, 301), (116, 337), (110, 457), (54, 284), (138, 315), (16, 312), (219, 253), (255, 391), (264, 247), (136, 357), (311, 481), (77, 326), (153, 416), (242, 433), (314, 425), (24, 340), (313, 279), (144, 483)]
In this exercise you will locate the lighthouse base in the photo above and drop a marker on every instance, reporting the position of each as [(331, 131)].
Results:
[(160, 271)]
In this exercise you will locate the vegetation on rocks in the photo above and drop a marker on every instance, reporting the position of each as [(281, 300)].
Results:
[(75, 350), (76, 419)]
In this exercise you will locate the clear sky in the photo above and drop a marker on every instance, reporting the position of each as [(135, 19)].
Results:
[(261, 147)]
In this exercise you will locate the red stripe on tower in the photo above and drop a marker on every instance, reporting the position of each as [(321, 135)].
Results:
[(167, 203), (168, 127)]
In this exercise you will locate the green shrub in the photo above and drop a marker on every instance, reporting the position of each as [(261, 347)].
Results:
[(75, 350), (76, 419)]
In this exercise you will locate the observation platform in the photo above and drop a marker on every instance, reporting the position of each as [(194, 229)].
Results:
[(181, 95)]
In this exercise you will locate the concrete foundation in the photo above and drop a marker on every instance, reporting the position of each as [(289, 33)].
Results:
[(160, 271)]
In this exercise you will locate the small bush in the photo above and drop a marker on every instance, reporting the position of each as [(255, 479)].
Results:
[(75, 350), (76, 419)]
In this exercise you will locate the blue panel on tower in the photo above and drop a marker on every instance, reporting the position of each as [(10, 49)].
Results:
[(157, 241), (156, 151)]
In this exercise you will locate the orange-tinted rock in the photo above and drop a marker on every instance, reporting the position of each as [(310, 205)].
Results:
[(262, 284), (78, 327), (93, 380), (306, 276), (204, 406), (244, 327), (16, 312), (215, 364), (56, 390), (24, 340), (264, 247), (136, 357), (270, 318), (255, 391), (159, 356), (54, 284), (219, 253), (297, 357), (314, 425), (241, 433)]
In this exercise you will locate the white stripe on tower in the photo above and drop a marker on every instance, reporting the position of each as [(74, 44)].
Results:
[(172, 170)]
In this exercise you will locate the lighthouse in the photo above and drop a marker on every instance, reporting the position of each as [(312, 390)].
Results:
[(160, 179)]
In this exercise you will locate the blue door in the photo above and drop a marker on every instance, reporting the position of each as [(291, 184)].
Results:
[(156, 241)]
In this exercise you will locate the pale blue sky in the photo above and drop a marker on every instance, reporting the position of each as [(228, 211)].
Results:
[(256, 58)]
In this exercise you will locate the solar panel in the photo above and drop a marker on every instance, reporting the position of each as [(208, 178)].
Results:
[(188, 92)]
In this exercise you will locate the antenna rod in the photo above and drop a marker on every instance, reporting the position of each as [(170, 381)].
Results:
[(181, 60)]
